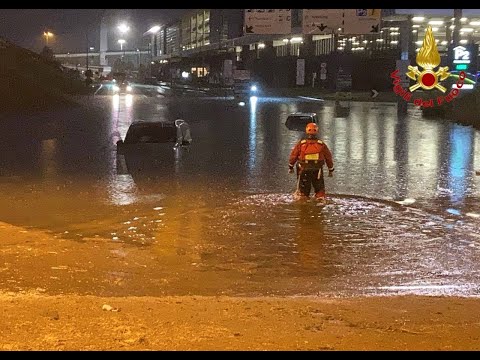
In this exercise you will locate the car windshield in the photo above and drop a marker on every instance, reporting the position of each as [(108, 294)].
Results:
[(151, 134), (300, 119)]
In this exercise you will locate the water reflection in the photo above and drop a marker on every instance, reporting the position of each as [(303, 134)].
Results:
[(376, 153), (252, 133), (122, 190), (460, 169), (122, 115), (204, 234), (310, 242), (401, 152)]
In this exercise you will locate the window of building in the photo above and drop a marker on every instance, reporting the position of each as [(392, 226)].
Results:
[(324, 46), (199, 71), (281, 50), (295, 49)]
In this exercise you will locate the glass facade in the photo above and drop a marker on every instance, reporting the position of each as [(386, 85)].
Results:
[(172, 40), (195, 30)]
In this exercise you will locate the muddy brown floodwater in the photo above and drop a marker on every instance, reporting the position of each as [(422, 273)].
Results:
[(208, 249)]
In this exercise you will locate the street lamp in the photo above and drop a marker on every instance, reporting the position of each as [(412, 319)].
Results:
[(123, 28), (153, 29), (121, 42), (47, 35)]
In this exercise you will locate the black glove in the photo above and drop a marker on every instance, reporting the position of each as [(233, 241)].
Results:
[(330, 172), (290, 169)]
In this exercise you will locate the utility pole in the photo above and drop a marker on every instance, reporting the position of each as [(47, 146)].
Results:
[(457, 14), (88, 47)]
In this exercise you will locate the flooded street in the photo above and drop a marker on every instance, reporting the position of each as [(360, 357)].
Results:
[(221, 219)]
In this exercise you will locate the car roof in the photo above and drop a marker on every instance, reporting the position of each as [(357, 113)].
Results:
[(147, 124), (302, 114), (156, 131)]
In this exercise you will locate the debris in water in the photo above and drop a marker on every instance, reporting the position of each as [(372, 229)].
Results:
[(107, 307)]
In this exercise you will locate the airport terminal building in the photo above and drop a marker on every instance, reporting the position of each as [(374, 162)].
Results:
[(201, 41)]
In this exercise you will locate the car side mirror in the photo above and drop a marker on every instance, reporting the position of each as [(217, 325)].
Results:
[(120, 146), (183, 132), (182, 144)]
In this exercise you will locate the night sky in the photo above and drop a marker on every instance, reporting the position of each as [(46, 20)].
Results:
[(26, 26)]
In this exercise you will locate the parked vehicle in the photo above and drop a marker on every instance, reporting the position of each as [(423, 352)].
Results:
[(298, 121)]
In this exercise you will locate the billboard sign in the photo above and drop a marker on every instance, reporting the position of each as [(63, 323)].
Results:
[(362, 21), (268, 21), (321, 21)]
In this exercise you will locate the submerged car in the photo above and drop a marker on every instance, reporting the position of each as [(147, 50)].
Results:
[(298, 121), (158, 132), (153, 148)]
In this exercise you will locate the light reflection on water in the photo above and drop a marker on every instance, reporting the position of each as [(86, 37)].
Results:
[(226, 206)]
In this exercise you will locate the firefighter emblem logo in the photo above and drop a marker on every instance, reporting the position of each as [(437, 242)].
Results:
[(428, 58)]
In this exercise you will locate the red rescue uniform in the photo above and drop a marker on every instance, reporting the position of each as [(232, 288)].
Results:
[(310, 155)]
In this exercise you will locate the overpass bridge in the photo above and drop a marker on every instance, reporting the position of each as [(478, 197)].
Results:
[(136, 57)]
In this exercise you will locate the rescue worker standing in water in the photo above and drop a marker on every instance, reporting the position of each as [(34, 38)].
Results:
[(310, 155)]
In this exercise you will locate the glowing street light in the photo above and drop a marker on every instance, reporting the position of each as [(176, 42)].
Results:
[(47, 35), (154, 29), (123, 28), (121, 42)]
